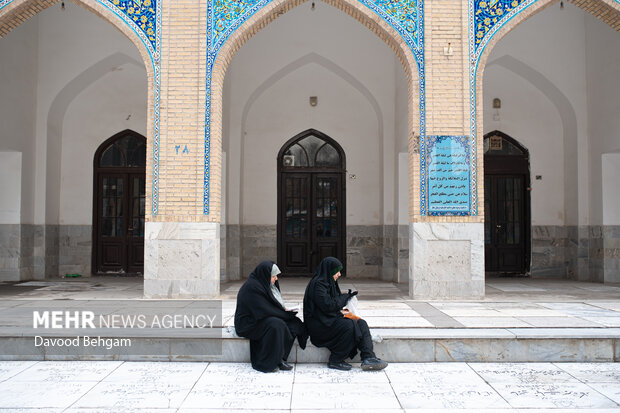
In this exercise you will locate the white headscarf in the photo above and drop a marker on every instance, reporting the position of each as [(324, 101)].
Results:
[(274, 290)]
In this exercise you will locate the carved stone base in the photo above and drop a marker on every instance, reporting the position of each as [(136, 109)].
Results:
[(181, 260), (446, 261)]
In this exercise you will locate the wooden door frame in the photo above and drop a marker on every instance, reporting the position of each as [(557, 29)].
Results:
[(97, 171), (311, 170), (508, 165)]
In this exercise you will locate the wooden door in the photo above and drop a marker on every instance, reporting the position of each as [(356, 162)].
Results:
[(505, 249), (119, 205), (507, 206), (312, 223), (311, 203), (295, 231), (135, 218), (111, 251), (326, 221)]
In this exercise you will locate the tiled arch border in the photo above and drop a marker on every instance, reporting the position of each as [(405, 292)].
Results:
[(15, 12), (606, 10), (409, 52)]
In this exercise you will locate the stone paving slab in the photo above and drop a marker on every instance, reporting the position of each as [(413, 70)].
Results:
[(234, 387)]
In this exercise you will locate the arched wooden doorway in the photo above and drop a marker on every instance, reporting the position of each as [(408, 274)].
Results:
[(119, 204), (311, 202), (507, 222)]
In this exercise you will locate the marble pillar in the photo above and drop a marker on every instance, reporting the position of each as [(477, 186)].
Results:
[(181, 260), (446, 260)]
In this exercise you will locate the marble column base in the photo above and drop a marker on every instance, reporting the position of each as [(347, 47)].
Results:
[(446, 260), (181, 260)]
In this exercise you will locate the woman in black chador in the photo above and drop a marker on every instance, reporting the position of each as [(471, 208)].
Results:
[(261, 317), (327, 324)]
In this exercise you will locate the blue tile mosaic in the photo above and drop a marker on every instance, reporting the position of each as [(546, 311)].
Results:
[(224, 17), (144, 18), (143, 14), (489, 13)]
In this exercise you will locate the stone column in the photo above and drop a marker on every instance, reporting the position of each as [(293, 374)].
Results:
[(182, 238), (446, 252)]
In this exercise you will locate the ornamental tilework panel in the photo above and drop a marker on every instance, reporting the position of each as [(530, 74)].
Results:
[(489, 13), (226, 16), (142, 13), (143, 18)]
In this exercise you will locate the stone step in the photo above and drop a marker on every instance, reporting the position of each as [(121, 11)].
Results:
[(391, 344)]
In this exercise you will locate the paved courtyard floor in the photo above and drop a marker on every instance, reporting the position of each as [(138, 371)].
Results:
[(116, 387), (508, 303)]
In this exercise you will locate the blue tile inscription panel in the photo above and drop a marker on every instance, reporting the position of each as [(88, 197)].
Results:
[(448, 166)]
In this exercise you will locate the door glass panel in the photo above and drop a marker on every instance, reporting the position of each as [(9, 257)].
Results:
[(326, 207), (487, 210), (327, 156), (126, 151), (296, 156), (509, 210), (311, 151), (108, 227), (137, 207), (296, 210), (112, 157), (138, 156), (112, 207)]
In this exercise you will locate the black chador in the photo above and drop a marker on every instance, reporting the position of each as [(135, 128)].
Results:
[(329, 328), (262, 318)]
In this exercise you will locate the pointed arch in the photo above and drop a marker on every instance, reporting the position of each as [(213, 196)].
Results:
[(15, 12), (325, 138), (215, 81), (482, 42)]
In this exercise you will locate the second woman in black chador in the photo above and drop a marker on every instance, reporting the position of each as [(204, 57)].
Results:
[(261, 317), (327, 325)]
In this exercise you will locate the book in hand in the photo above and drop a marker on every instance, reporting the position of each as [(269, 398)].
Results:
[(347, 314)]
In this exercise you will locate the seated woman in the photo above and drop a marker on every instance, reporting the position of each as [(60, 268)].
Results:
[(327, 324), (261, 317)]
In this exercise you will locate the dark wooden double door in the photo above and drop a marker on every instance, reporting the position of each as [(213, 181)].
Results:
[(507, 210), (121, 214), (119, 205), (311, 223)]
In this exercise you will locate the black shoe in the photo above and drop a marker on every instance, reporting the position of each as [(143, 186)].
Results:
[(302, 338), (373, 363), (339, 365), (285, 366)]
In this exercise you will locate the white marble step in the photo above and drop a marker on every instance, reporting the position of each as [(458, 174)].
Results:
[(394, 345)]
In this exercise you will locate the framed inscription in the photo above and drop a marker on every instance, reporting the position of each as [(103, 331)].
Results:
[(448, 164), (495, 143)]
